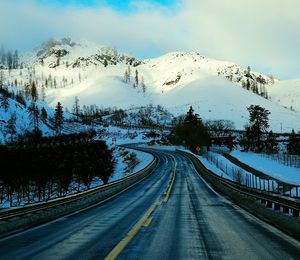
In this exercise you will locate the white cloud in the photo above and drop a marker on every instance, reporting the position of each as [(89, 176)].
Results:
[(262, 34)]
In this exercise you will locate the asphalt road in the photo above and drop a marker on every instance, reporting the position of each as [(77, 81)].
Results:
[(172, 214)]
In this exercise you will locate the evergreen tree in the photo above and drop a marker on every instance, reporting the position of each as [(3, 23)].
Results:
[(136, 78), (33, 92), (258, 125), (9, 60), (54, 83), (27, 91), (248, 84), (293, 146), (105, 63), (11, 127), (143, 85), (44, 114), (126, 76), (190, 131), (271, 145), (34, 114), (129, 73), (248, 71), (1, 79), (16, 60), (58, 118), (4, 101)]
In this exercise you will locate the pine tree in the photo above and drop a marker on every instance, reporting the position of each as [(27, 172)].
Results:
[(11, 127), (33, 92), (258, 124), (54, 83), (9, 60), (44, 115), (27, 91), (58, 118), (293, 146), (248, 84), (126, 77), (143, 85), (34, 114), (129, 73), (190, 131), (1, 79), (248, 71), (105, 63), (16, 60), (136, 78), (271, 145), (4, 101)]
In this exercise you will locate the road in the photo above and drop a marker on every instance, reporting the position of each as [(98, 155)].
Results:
[(173, 214)]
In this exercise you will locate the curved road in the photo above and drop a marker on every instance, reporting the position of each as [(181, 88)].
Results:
[(173, 214)]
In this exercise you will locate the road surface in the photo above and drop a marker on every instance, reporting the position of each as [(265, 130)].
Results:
[(173, 214)]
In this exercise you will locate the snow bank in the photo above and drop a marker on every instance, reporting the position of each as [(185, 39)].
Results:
[(270, 167)]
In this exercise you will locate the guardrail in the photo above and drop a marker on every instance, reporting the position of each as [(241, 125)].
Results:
[(14, 219), (271, 200)]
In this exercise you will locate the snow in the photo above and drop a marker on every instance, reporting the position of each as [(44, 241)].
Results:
[(143, 158), (175, 80), (286, 93), (213, 168), (219, 165), (23, 120), (270, 167)]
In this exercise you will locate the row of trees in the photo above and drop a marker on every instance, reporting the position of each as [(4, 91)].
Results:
[(189, 130), (9, 59), (47, 167), (250, 81)]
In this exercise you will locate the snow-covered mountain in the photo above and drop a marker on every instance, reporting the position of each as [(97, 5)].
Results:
[(99, 75)]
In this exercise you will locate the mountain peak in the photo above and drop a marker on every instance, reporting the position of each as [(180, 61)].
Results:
[(54, 52)]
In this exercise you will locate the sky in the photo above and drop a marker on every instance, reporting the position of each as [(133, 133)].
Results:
[(264, 34)]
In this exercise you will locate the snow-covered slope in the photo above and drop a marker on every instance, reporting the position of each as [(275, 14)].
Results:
[(177, 69), (216, 98), (286, 93), (23, 119), (217, 89)]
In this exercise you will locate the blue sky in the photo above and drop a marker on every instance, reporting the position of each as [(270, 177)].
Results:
[(120, 5)]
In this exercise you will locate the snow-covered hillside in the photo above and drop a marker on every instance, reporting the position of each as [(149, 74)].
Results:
[(177, 69), (216, 98), (16, 114), (286, 93), (99, 75)]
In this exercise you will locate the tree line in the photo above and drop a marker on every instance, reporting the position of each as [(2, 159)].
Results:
[(47, 167), (189, 130), (9, 59)]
